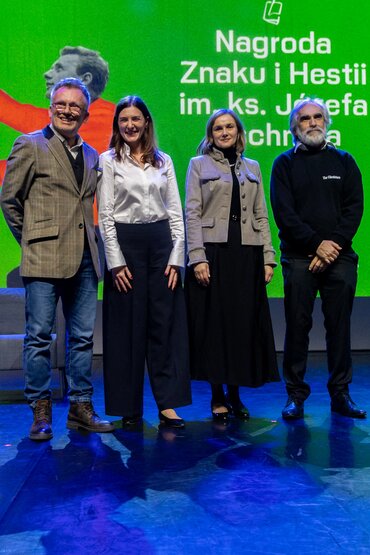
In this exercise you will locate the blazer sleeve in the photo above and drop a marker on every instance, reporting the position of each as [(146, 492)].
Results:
[(261, 216), (193, 214), (20, 171)]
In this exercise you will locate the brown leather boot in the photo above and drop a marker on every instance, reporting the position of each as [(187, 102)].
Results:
[(41, 426), (82, 415)]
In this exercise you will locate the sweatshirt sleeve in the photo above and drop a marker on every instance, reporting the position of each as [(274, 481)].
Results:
[(352, 204)]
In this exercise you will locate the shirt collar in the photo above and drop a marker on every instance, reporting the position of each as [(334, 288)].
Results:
[(126, 152), (64, 140), (126, 149), (302, 146)]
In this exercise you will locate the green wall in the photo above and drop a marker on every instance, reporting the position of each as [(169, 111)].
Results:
[(321, 49)]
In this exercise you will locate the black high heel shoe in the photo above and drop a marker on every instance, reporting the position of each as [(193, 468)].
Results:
[(132, 420), (238, 409), (170, 422), (220, 416)]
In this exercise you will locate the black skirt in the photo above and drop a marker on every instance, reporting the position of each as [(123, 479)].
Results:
[(230, 331)]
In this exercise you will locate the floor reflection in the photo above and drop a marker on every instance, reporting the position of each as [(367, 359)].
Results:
[(262, 486)]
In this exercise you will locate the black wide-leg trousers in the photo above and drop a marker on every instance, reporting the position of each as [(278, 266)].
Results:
[(337, 286), (147, 324)]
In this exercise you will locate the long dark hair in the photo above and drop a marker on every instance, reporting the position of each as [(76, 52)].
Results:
[(151, 154), (206, 144)]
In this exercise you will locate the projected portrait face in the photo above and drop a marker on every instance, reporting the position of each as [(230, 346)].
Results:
[(132, 124), (224, 131), (81, 63), (311, 126), (65, 66)]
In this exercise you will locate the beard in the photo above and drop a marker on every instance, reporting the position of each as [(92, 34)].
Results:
[(312, 137)]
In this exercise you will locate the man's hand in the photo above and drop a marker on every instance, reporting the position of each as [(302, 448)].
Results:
[(328, 251), (317, 265)]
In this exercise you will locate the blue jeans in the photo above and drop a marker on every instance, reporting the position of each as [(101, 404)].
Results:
[(78, 295)]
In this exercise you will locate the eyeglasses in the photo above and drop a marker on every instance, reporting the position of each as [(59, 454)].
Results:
[(75, 109)]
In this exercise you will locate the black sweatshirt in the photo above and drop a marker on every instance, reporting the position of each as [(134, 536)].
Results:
[(316, 195)]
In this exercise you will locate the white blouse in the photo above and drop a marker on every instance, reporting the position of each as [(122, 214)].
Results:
[(130, 194)]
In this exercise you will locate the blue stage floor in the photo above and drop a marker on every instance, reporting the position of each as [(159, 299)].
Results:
[(261, 487)]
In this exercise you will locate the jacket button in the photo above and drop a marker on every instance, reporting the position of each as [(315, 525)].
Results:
[(244, 208), (243, 195), (242, 183), (244, 221), (81, 226)]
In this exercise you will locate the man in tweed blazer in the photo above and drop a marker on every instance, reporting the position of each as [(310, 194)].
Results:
[(47, 199)]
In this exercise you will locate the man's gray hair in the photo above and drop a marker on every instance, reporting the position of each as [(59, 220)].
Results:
[(293, 118), (71, 83)]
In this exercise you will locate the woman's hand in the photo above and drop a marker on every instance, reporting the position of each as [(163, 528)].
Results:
[(201, 272), (122, 278), (269, 273), (173, 275)]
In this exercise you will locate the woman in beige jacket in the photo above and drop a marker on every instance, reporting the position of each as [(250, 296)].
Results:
[(231, 260)]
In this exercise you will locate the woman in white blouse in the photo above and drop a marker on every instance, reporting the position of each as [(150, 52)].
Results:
[(141, 223)]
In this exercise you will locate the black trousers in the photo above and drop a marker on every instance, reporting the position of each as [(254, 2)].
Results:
[(147, 324), (336, 285)]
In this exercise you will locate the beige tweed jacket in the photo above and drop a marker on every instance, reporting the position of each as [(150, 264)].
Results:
[(209, 186), (45, 209)]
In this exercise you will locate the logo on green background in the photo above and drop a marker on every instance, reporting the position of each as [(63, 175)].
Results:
[(272, 12)]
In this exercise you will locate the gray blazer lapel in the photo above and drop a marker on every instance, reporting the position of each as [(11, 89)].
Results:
[(58, 151)]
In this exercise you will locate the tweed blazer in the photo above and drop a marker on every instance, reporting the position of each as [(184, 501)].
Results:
[(44, 207), (209, 185)]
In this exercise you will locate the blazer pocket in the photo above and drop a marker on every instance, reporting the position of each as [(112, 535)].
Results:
[(256, 226), (209, 175), (251, 177), (209, 179), (43, 219), (39, 234), (208, 222)]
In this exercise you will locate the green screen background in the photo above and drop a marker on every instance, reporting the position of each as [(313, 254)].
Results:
[(145, 42)]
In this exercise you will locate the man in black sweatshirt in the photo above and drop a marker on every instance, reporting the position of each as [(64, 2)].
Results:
[(317, 200)]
